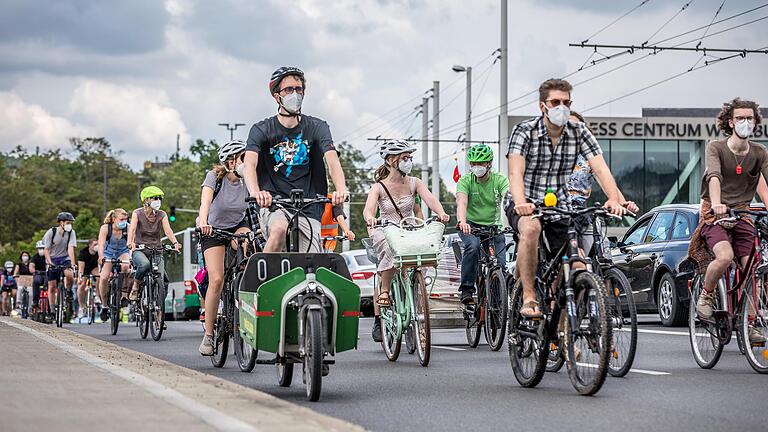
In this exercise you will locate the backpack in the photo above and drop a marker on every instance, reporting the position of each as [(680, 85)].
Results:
[(109, 233), (53, 235), (217, 188)]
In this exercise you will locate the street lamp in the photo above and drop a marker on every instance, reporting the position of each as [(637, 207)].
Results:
[(468, 123), (231, 128)]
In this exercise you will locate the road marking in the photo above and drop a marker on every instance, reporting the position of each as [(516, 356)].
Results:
[(664, 332), (640, 371), (213, 417), (448, 348)]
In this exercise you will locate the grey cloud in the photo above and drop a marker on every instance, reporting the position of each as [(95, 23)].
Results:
[(106, 27)]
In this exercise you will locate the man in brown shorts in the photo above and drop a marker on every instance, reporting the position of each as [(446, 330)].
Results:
[(734, 166)]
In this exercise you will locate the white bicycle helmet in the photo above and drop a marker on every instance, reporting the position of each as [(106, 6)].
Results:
[(230, 149), (40, 245), (395, 147), (9, 265)]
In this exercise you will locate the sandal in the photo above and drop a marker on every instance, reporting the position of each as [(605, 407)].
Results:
[(531, 310), (382, 300)]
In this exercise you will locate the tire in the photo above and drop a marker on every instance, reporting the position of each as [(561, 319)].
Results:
[(25, 304), (114, 303), (619, 302), (555, 357), (587, 351), (527, 356), (671, 310), (473, 328), (420, 325), (495, 310), (91, 304), (142, 314), (59, 307), (244, 353), (410, 341), (284, 374), (705, 346), (157, 309), (220, 342), (390, 343), (313, 357), (754, 312)]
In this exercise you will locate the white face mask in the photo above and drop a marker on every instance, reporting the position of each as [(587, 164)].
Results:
[(292, 102), (558, 115), (744, 129), (405, 166), (24, 258), (479, 170), (155, 205), (240, 170), (68, 227), (41, 252)]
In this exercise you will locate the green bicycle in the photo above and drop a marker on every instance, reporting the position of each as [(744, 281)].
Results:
[(408, 301)]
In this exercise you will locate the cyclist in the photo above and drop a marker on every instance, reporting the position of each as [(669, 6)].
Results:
[(8, 287), (734, 166), (38, 267), (479, 196), (60, 251), (87, 265), (222, 206), (394, 194), (23, 279), (290, 151), (147, 226), (333, 219), (542, 155), (113, 245)]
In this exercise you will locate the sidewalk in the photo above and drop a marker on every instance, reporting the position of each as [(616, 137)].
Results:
[(56, 380)]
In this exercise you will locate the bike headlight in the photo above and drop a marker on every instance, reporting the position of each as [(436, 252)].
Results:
[(428, 280)]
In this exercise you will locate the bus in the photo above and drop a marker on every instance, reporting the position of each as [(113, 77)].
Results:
[(182, 300)]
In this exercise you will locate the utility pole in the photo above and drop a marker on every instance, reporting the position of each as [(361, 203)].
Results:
[(231, 128), (468, 123), (104, 170), (424, 146), (178, 148), (435, 140), (503, 117)]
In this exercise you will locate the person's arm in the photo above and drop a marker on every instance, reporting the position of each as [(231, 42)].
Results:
[(16, 270), (71, 247), (102, 239), (132, 229), (432, 202), (516, 165), (256, 140), (608, 184), (342, 221), (206, 198), (369, 212), (714, 177), (80, 264), (169, 233), (32, 266), (48, 242), (336, 173), (762, 190), (461, 212)]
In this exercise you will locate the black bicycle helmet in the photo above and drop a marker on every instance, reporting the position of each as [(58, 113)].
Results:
[(279, 74), (65, 216)]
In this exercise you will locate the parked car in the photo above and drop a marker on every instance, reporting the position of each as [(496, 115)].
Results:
[(362, 271), (653, 255)]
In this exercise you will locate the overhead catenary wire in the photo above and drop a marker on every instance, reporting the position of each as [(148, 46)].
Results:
[(685, 6), (717, 12), (642, 3)]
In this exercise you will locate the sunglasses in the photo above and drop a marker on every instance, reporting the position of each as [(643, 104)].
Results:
[(156, 198), (741, 119), (556, 102), (291, 90)]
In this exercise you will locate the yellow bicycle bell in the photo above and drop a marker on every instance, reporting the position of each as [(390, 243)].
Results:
[(550, 199)]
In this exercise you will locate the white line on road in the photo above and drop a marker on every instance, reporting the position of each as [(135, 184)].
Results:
[(640, 371), (213, 417), (663, 332), (448, 348)]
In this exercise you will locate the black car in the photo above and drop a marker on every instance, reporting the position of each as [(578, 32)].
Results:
[(653, 255)]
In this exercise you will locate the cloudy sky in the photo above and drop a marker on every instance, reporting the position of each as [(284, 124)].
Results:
[(143, 71)]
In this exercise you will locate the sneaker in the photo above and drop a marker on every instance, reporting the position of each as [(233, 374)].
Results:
[(376, 332), (705, 305), (134, 295), (206, 346), (467, 297), (104, 315), (755, 336)]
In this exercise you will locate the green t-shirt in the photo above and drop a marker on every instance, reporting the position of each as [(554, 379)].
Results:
[(483, 198)]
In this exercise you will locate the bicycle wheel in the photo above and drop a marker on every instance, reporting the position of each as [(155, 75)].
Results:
[(555, 357), (220, 341), (754, 326), (420, 320), (705, 345), (587, 347), (313, 357), (495, 309), (157, 309), (114, 303), (410, 340), (59, 306), (245, 354), (91, 301), (473, 317), (142, 318), (25, 304), (390, 322), (527, 348), (284, 374), (622, 316)]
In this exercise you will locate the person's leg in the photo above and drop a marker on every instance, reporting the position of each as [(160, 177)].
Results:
[(499, 245), (309, 235), (106, 271), (386, 280), (274, 225), (214, 262), (470, 259), (527, 260), (141, 264), (3, 296), (81, 294)]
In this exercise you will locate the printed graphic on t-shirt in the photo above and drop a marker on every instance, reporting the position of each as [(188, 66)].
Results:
[(290, 152)]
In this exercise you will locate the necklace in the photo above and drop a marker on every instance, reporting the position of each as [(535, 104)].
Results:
[(738, 164)]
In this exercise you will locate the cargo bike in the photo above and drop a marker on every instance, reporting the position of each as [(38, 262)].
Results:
[(302, 307)]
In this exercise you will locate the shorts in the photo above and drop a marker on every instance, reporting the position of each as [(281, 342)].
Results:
[(309, 229), (555, 232), (8, 288), (113, 254), (53, 273), (207, 242), (741, 237)]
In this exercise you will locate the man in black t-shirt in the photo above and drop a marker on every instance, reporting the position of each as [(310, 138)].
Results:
[(87, 264), (290, 151), (38, 267)]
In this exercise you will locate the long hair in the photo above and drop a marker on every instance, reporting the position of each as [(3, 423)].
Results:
[(384, 170), (112, 214), (726, 114), (220, 169)]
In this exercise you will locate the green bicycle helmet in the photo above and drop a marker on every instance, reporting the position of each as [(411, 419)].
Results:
[(151, 191), (480, 153)]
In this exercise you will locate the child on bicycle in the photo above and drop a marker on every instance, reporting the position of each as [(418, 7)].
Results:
[(394, 195), (479, 195), (8, 288), (113, 245), (223, 207), (24, 281), (148, 224)]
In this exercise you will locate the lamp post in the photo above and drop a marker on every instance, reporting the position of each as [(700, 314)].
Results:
[(468, 123), (231, 128)]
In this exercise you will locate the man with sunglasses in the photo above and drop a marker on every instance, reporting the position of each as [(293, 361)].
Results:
[(542, 155), (290, 151)]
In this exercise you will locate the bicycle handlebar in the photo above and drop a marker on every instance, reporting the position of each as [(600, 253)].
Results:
[(381, 223)]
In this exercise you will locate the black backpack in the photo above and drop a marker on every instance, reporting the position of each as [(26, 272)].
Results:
[(53, 235), (109, 233), (217, 188)]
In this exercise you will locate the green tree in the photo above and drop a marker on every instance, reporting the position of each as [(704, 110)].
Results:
[(207, 153), (181, 182)]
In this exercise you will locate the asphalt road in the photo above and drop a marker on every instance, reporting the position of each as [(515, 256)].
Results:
[(468, 389)]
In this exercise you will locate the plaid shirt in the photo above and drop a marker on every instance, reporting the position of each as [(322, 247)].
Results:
[(545, 169)]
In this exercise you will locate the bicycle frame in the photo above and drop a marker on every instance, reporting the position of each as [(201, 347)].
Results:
[(404, 311)]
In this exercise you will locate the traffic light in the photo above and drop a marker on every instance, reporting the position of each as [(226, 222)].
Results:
[(172, 214)]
